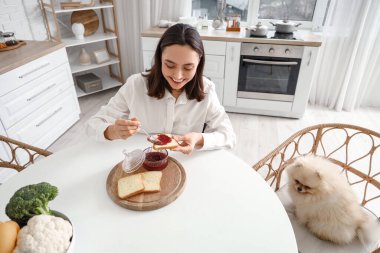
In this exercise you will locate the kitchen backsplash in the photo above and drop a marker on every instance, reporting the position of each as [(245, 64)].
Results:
[(24, 18)]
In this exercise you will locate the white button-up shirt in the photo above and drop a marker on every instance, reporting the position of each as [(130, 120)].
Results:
[(167, 115)]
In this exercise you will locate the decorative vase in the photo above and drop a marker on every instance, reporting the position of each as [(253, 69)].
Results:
[(84, 57), (78, 30)]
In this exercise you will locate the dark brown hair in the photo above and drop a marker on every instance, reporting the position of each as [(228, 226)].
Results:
[(179, 34)]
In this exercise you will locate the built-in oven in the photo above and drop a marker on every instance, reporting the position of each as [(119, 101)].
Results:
[(269, 71)]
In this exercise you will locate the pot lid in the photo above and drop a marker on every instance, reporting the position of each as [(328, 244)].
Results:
[(261, 26), (286, 22), (133, 160)]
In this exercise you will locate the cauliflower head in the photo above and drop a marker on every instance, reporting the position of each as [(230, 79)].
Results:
[(44, 234)]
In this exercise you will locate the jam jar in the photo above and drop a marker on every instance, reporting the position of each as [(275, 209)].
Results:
[(9, 38)]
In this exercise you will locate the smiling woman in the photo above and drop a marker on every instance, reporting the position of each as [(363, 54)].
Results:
[(172, 97)]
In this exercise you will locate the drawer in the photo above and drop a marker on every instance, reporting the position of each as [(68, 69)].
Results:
[(50, 136), (28, 72), (214, 66), (37, 128), (149, 43), (18, 103), (214, 47)]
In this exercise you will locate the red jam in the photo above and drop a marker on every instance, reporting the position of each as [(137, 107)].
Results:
[(155, 161), (155, 156), (164, 139)]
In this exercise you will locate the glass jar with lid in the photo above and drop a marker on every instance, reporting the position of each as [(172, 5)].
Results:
[(8, 38)]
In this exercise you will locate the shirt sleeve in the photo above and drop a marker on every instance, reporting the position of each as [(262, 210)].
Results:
[(218, 132), (116, 108)]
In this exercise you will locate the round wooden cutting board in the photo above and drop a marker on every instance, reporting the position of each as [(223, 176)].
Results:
[(172, 184), (88, 18)]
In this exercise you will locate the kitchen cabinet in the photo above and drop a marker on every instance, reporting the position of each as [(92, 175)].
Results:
[(41, 104), (268, 92), (214, 60), (106, 37)]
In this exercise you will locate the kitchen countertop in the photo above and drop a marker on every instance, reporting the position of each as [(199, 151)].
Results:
[(305, 37), (32, 50)]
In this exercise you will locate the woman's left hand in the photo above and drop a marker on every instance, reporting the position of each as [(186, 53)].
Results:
[(188, 142)]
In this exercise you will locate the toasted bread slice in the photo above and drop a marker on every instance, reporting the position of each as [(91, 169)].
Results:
[(151, 181), (172, 144), (130, 185)]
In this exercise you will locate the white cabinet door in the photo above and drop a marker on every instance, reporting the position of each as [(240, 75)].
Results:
[(301, 95), (148, 59), (149, 43), (214, 66), (219, 86), (231, 76), (149, 48)]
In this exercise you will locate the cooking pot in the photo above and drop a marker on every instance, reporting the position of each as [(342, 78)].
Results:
[(259, 30), (285, 26)]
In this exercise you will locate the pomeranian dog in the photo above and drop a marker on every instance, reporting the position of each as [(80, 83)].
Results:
[(326, 204)]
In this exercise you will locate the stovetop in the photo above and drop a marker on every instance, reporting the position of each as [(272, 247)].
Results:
[(279, 36)]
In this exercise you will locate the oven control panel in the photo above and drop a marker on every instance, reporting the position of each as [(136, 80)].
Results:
[(271, 50)]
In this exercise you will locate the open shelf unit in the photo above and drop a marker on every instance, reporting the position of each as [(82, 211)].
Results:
[(106, 36)]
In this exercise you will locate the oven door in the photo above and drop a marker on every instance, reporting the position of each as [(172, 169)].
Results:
[(270, 78)]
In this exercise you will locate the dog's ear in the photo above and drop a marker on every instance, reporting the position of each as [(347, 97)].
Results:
[(298, 164)]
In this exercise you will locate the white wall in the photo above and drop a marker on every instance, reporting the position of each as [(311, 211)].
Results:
[(24, 18)]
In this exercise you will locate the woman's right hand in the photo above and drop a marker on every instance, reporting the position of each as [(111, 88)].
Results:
[(122, 129)]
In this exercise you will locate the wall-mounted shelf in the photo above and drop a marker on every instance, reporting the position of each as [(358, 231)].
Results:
[(58, 25)]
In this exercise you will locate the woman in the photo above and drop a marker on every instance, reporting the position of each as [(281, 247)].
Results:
[(173, 97)]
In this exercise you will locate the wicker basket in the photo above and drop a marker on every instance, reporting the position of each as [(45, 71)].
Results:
[(355, 149)]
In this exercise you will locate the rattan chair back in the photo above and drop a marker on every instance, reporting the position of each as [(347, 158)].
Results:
[(355, 149), (13, 149)]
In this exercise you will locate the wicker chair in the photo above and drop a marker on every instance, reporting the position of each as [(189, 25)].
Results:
[(15, 148), (355, 149)]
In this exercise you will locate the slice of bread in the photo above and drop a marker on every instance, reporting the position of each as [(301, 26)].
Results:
[(172, 144), (151, 181), (130, 185)]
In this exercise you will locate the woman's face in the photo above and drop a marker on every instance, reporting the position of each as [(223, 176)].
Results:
[(179, 65)]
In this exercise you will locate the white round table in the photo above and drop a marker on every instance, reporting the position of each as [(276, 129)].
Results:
[(225, 206)]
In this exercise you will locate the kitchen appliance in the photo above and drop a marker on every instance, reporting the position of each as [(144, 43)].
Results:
[(285, 26), (259, 30), (269, 72)]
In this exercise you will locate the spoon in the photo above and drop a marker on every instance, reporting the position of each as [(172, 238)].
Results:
[(151, 138)]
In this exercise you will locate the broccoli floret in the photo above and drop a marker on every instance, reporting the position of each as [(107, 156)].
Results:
[(30, 200)]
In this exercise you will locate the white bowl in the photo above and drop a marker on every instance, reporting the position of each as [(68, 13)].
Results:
[(63, 216)]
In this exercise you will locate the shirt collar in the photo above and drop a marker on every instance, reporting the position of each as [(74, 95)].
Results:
[(182, 99)]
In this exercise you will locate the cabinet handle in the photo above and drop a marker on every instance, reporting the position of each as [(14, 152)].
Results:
[(285, 63), (48, 117), (41, 92), (308, 62), (232, 54), (33, 70)]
